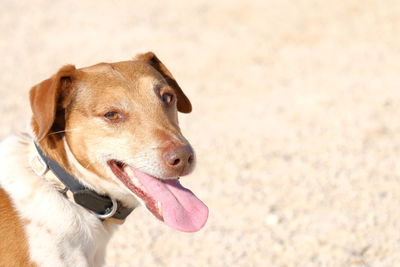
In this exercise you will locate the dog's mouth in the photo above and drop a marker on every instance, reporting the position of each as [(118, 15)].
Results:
[(167, 199)]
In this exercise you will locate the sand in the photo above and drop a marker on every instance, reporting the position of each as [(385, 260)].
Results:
[(296, 120)]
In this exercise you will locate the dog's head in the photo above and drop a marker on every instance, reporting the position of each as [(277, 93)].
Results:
[(120, 123)]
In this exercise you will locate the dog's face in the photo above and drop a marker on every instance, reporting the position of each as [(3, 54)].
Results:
[(129, 115), (120, 122)]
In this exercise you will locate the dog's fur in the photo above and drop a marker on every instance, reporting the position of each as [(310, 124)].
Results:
[(39, 226)]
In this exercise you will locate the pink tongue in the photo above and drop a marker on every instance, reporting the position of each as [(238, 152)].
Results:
[(181, 209)]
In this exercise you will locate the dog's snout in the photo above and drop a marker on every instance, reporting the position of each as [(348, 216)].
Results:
[(179, 159)]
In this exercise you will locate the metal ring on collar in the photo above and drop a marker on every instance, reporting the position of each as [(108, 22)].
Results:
[(114, 208)]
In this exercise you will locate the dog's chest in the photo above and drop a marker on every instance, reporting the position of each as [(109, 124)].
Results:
[(69, 239), (59, 232), (66, 241)]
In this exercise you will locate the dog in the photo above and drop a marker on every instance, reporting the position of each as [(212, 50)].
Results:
[(103, 140)]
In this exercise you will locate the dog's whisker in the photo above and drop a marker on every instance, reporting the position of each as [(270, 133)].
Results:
[(88, 165), (154, 148), (63, 131)]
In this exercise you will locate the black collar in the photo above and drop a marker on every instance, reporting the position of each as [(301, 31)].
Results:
[(102, 206)]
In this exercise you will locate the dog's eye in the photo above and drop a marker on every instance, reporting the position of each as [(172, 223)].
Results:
[(113, 116), (167, 98)]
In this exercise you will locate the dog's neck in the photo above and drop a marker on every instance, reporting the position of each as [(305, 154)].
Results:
[(56, 154), (57, 148)]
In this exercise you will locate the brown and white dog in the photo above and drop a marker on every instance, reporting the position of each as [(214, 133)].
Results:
[(111, 128)]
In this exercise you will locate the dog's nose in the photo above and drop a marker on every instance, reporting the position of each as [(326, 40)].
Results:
[(180, 159)]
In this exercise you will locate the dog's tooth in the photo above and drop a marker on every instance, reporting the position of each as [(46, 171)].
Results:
[(134, 180), (136, 183), (159, 208), (128, 171)]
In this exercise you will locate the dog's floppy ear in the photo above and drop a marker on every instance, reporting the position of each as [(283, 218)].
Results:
[(44, 98), (184, 104)]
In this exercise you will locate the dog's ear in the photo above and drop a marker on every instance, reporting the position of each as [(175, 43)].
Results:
[(45, 98), (184, 104)]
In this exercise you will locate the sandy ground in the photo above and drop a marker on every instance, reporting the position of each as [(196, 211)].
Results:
[(296, 120)]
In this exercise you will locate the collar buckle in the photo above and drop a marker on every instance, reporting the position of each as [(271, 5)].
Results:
[(38, 170)]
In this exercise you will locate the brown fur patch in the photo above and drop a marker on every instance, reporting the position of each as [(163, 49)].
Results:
[(44, 98), (13, 241)]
